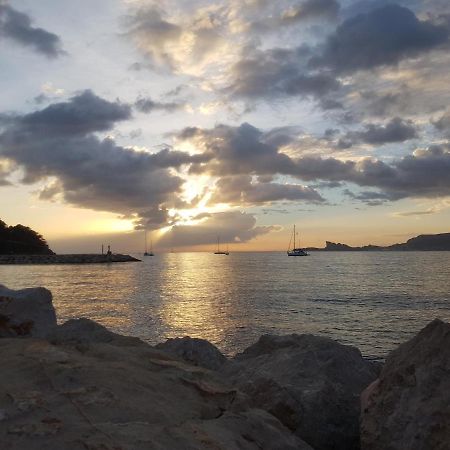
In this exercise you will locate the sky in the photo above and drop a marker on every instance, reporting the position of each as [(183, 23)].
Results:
[(191, 119)]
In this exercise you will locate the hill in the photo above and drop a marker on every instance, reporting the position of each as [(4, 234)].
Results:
[(21, 240), (424, 242)]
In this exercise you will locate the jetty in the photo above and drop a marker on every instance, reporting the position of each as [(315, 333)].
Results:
[(87, 258)]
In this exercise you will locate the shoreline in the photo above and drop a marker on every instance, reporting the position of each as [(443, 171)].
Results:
[(80, 385), (65, 259)]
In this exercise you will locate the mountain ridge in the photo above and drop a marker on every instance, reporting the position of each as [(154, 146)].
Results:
[(423, 242)]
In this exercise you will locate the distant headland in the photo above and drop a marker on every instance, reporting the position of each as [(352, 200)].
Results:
[(424, 242), (22, 240)]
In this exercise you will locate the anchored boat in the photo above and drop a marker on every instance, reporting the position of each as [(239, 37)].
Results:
[(296, 251), (220, 252)]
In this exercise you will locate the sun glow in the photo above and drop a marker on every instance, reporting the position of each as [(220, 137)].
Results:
[(109, 225)]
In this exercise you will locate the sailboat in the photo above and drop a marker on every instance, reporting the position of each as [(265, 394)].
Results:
[(148, 253), (220, 252), (296, 251)]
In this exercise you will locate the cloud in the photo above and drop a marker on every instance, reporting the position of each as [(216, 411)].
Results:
[(84, 113), (231, 226), (435, 208), (147, 105), (415, 213), (59, 142), (276, 73), (443, 123), (5, 172), (396, 130), (241, 190), (370, 198), (235, 150), (17, 26), (243, 150), (311, 9), (380, 37), (183, 44)]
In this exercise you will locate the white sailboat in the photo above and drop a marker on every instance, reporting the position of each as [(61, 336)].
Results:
[(296, 251)]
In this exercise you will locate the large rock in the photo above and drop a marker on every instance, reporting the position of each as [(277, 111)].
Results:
[(408, 407), (311, 384), (109, 394), (27, 312), (85, 331), (195, 351)]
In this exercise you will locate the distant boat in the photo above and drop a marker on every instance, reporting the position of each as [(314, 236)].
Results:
[(148, 253), (220, 252), (296, 251)]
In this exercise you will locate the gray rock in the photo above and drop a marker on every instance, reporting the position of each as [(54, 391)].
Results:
[(26, 312), (195, 351), (311, 384), (128, 397), (86, 331), (408, 407)]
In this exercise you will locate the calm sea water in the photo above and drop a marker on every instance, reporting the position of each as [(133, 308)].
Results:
[(371, 300)]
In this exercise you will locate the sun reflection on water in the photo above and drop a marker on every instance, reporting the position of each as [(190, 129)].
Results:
[(371, 300)]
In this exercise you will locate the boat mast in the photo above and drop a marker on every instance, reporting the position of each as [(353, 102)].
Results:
[(294, 237), (145, 234), (218, 244)]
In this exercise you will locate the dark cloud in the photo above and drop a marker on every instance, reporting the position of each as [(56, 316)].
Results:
[(396, 130), (241, 190), (371, 198), (311, 9), (365, 6), (231, 226), (84, 113), (380, 37), (276, 73), (58, 142), (147, 105), (17, 26), (235, 150), (243, 150), (386, 104)]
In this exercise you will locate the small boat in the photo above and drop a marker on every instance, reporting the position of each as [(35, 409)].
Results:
[(148, 253), (296, 251), (220, 252)]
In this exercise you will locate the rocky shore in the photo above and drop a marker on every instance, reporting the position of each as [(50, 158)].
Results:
[(66, 259), (80, 386)]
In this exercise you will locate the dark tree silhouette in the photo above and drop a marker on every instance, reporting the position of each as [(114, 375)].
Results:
[(21, 240)]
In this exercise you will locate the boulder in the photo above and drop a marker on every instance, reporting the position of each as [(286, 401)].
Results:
[(195, 351), (111, 396), (408, 407), (86, 331), (311, 384), (26, 312)]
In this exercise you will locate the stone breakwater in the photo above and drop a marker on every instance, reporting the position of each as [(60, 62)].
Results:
[(66, 259), (80, 386)]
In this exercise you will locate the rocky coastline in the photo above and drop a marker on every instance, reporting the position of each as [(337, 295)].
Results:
[(80, 386), (67, 259), (424, 243)]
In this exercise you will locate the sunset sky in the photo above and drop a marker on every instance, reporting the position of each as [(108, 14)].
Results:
[(239, 118)]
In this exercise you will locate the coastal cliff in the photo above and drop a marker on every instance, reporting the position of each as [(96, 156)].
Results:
[(79, 386), (424, 242)]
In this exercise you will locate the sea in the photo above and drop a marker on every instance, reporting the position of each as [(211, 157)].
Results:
[(372, 300)]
